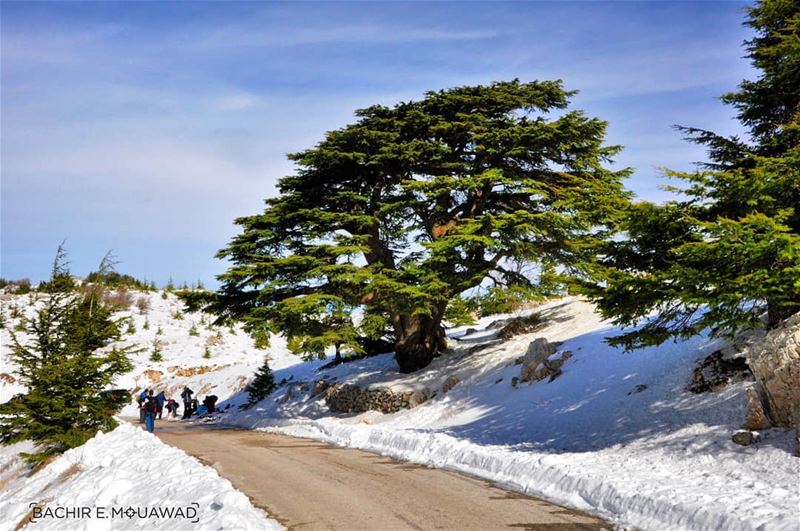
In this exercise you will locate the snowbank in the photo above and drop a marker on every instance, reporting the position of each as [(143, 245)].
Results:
[(126, 471), (616, 434)]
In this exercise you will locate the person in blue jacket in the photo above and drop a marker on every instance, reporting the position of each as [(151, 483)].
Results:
[(160, 399)]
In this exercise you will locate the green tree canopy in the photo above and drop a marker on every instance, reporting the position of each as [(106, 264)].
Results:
[(65, 367), (731, 250), (402, 211)]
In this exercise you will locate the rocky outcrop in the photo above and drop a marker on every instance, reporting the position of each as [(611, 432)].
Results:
[(717, 371), (774, 400), (520, 325), (449, 383), (538, 351), (348, 398)]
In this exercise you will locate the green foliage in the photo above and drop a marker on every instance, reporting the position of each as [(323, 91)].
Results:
[(146, 325), (164, 295), (207, 352), (412, 205), (159, 331), (260, 337), (460, 311), (60, 278), (65, 367), (730, 251), (177, 315), (193, 330), (131, 327), (107, 276), (262, 385), (156, 352), (22, 286)]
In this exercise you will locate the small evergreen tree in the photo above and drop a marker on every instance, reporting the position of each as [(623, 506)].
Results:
[(155, 354), (207, 353), (146, 325), (64, 367), (262, 385), (193, 330)]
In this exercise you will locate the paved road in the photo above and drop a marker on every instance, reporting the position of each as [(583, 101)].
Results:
[(307, 484)]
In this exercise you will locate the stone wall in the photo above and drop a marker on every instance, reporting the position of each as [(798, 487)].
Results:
[(348, 398)]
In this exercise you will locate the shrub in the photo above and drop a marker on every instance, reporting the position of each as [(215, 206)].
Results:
[(261, 386), (207, 353), (193, 330), (143, 304), (118, 300)]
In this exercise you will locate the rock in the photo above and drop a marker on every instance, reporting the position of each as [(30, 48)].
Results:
[(417, 398), (514, 382), (775, 363), (449, 383), (320, 386), (756, 416), (715, 372), (470, 331), (745, 437), (538, 351), (520, 325), (499, 323), (639, 388), (498, 381)]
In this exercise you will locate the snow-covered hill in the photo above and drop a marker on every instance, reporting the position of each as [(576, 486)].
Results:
[(211, 360), (126, 479), (615, 433)]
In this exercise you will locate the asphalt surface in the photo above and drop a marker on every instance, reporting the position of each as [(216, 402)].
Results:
[(306, 484)]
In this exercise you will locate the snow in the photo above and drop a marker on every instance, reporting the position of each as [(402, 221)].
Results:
[(593, 439), (126, 468), (654, 459)]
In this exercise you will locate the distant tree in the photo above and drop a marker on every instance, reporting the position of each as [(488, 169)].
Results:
[(262, 385), (399, 213), (60, 278), (730, 252), (64, 368)]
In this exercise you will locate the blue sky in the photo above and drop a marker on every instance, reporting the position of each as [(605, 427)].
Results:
[(146, 128)]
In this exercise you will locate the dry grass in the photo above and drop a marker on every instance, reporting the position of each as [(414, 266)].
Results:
[(29, 515), (73, 470)]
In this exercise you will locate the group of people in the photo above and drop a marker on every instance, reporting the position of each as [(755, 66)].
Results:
[(152, 406)]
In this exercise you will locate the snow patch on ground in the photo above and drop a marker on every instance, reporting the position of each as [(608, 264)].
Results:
[(655, 457), (127, 467)]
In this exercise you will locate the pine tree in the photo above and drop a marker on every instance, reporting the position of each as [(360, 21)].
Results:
[(412, 205), (65, 367), (262, 385), (730, 252)]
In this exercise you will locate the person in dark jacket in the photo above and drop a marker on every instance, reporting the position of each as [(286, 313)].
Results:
[(140, 400), (210, 402), (160, 398), (172, 407), (150, 409), (186, 396)]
